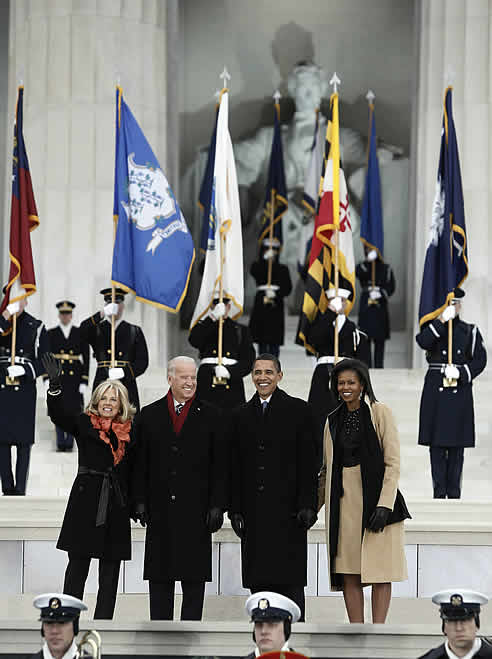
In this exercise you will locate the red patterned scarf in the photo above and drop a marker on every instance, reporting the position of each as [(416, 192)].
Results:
[(121, 430)]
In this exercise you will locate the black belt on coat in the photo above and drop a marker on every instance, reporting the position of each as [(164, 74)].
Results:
[(109, 478)]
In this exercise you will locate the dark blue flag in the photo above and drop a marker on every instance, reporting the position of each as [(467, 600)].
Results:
[(276, 190), (446, 260), (206, 188), (153, 250), (371, 221)]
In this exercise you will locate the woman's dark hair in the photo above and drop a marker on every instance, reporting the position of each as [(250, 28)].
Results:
[(362, 371)]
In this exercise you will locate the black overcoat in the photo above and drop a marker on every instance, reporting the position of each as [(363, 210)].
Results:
[(79, 534), (374, 318), (237, 345), (267, 322), (130, 350), (274, 475), (18, 403), (440, 652), (179, 478), (73, 354), (446, 413)]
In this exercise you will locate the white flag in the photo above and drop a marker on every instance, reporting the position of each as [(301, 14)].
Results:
[(225, 219)]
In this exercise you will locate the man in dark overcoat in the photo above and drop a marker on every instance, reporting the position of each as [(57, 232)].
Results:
[(238, 355), (373, 308), (447, 421), (66, 344), (131, 354), (460, 615), (18, 395), (352, 342), (273, 484), (267, 322), (180, 490)]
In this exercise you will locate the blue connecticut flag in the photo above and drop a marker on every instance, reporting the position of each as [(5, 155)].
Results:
[(371, 220), (446, 260), (153, 250)]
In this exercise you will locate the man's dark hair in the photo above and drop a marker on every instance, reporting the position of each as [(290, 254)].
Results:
[(267, 357), (362, 371)]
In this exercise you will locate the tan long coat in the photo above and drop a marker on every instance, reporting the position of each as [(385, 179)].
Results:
[(383, 556)]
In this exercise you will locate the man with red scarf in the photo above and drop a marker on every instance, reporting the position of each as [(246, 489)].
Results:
[(180, 491)]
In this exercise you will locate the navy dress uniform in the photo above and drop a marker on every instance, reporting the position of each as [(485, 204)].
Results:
[(57, 608), (447, 423), (373, 309), (458, 604), (238, 356), (18, 402), (131, 354), (66, 343), (267, 322), (268, 606)]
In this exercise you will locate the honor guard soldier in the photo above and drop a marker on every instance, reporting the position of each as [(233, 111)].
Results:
[(267, 322), (447, 423), (460, 614), (373, 308), (131, 355), (59, 625), (238, 355), (18, 392), (273, 616), (352, 342), (66, 344)]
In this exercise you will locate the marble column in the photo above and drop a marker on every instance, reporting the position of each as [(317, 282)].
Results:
[(69, 54), (454, 47)]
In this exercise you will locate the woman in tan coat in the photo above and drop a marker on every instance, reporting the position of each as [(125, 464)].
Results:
[(358, 484)]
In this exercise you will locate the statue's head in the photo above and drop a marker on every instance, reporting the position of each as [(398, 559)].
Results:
[(307, 84)]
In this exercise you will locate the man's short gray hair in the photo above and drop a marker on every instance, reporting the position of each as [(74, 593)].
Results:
[(171, 364)]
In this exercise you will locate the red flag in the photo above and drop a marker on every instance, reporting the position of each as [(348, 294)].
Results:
[(23, 218)]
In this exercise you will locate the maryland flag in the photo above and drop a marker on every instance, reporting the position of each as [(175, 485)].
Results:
[(23, 219), (276, 188), (332, 218)]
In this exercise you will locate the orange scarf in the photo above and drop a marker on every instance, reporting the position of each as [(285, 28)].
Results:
[(121, 430)]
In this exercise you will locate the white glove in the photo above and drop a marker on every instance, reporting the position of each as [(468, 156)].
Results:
[(116, 373), (222, 372), (452, 372), (449, 313), (375, 295), (13, 308), (270, 293), (218, 311), (269, 254), (110, 309), (336, 304), (16, 371), (372, 255), (83, 387)]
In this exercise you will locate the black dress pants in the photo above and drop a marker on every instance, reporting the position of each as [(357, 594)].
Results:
[(64, 440), (161, 595), (269, 348), (21, 468), (295, 593), (109, 572), (447, 471), (376, 361)]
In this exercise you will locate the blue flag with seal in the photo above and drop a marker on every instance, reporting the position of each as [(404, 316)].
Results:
[(206, 188), (446, 259), (371, 221), (153, 250), (276, 189)]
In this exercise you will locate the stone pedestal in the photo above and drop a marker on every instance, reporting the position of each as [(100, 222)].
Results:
[(70, 54), (453, 43)]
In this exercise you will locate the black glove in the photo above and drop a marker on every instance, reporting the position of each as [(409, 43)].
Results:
[(306, 518), (378, 519), (139, 514), (214, 520), (53, 368), (237, 523)]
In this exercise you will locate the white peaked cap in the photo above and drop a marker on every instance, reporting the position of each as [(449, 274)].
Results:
[(267, 605)]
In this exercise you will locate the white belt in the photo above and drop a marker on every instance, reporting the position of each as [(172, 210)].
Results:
[(215, 360), (328, 359), (266, 287)]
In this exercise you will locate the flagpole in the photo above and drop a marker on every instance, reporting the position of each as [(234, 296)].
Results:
[(335, 81), (115, 226), (266, 299), (370, 100), (8, 379)]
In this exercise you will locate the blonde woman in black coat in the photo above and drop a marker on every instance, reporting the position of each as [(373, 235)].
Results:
[(96, 522)]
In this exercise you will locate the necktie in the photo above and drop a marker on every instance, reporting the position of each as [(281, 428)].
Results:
[(179, 408), (264, 406)]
